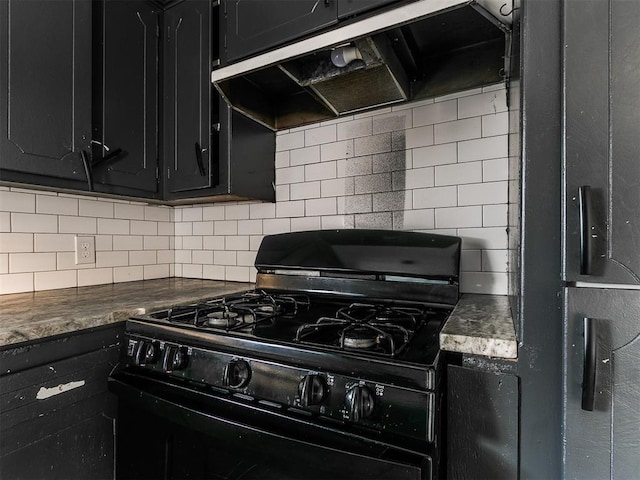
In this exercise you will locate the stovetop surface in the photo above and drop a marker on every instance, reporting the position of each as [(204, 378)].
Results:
[(406, 332)]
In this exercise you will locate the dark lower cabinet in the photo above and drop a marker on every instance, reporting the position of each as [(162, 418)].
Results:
[(45, 91), (482, 423), (57, 418)]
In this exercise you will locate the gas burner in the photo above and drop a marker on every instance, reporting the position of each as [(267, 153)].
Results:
[(222, 319), (360, 338)]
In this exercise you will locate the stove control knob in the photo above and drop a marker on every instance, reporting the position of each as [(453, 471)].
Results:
[(175, 358), (237, 374), (312, 390), (147, 352), (359, 402)]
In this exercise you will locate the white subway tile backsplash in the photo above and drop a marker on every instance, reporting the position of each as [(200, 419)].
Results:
[(336, 150), (224, 258), (5, 222), (355, 166), (282, 159), (166, 256), (262, 210), (112, 259), (246, 259), (34, 223), (303, 223), (94, 208), (304, 156), (204, 228), (254, 242), (56, 205), (416, 178), (483, 193), (320, 171), (483, 104), (128, 274), (103, 242), (142, 257), (282, 193), (236, 242), (276, 225), (31, 262), (53, 280), (336, 187), (495, 260), (166, 228), (458, 130), (301, 191), (11, 201), (290, 175), (459, 217), (67, 261), (489, 283), (495, 170), (236, 212), (237, 274), (192, 243), (127, 242), (192, 271), (418, 137), (414, 219), (495, 124), (17, 282), (320, 135), (155, 271), (390, 201), (458, 174), (130, 212), (492, 238), (183, 256), (356, 128), (355, 204), (381, 220), (435, 113), (54, 242), (192, 214), (249, 227), (373, 144), (437, 155), (204, 257), (320, 206), (391, 161), (184, 228), (471, 260), (16, 242), (290, 209), (213, 272), (108, 226), (157, 214), (215, 212), (289, 141), (4, 263), (96, 276), (483, 149), (394, 121), (380, 182), (435, 197)]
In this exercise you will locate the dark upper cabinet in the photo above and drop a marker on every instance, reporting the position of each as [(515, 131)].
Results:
[(125, 114), (187, 96), (253, 26), (602, 384), (45, 91), (347, 8), (602, 111)]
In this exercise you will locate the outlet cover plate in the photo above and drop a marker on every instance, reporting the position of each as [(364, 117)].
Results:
[(85, 249)]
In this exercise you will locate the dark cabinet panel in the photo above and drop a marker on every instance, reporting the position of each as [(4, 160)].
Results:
[(602, 421), (352, 7), (253, 26), (45, 89), (602, 108), (187, 98), (125, 147)]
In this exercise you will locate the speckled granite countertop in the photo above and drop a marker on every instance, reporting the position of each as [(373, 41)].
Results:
[(28, 316), (481, 325)]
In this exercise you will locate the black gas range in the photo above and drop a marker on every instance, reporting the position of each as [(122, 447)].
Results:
[(331, 364)]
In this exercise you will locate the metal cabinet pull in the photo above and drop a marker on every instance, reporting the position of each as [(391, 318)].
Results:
[(586, 226), (86, 163), (199, 159), (589, 366)]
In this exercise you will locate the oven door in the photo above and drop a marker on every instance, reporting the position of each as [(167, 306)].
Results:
[(168, 431)]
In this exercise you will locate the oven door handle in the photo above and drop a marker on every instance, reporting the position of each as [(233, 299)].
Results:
[(589, 364)]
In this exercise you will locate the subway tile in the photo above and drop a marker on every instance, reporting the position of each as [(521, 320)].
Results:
[(282, 159), (107, 226), (459, 217), (289, 141), (192, 243), (282, 193), (236, 212), (336, 187), (16, 242), (489, 238), (458, 174), (224, 257), (31, 262), (482, 193), (495, 86), (177, 214), (192, 214), (157, 214), (155, 271), (213, 213), (437, 155), (495, 124), (335, 121), (355, 128), (255, 241), (414, 219), (290, 209), (320, 135), (373, 144), (488, 283), (389, 162), (166, 256), (471, 260), (183, 228), (128, 274), (112, 259), (371, 113), (17, 202), (130, 212), (262, 210), (435, 113), (56, 205), (495, 260), (54, 242), (183, 256), (249, 227), (304, 156), (276, 225), (213, 272), (203, 228), (143, 257), (380, 182), (414, 178), (389, 201), (494, 215), (4, 263), (166, 228), (67, 261), (495, 170), (355, 166), (16, 283), (458, 130), (5, 222), (236, 242), (482, 104), (320, 171), (394, 121), (320, 206), (34, 223), (382, 220), (302, 191), (237, 274), (95, 276), (355, 204), (246, 259), (290, 175), (332, 222), (463, 93), (94, 208), (336, 150), (304, 223), (127, 242), (483, 149), (53, 280), (419, 137), (142, 227), (435, 197), (204, 257)]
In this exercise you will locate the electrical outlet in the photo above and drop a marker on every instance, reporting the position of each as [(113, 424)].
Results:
[(85, 250)]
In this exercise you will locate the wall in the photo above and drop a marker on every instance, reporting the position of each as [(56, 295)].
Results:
[(434, 166)]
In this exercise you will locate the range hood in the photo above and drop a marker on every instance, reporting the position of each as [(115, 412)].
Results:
[(420, 50)]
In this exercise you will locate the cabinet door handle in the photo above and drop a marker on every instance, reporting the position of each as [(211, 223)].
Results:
[(589, 366), (586, 227), (199, 159), (86, 163)]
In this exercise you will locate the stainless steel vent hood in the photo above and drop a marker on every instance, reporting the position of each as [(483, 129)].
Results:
[(419, 50)]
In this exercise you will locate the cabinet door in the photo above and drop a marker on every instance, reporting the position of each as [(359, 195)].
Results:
[(45, 89), (602, 108), (188, 96), (252, 26), (125, 151), (603, 442), (352, 7)]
